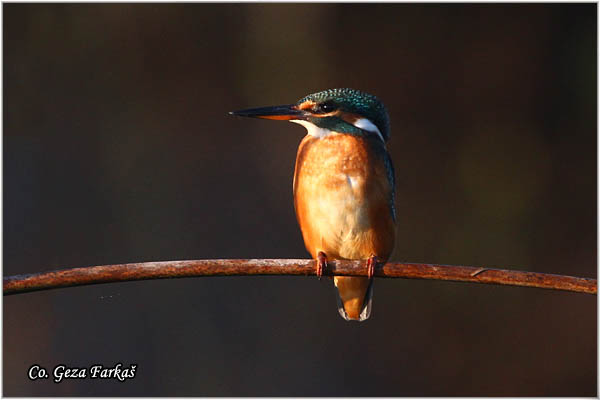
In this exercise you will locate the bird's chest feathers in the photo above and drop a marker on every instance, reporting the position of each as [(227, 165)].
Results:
[(331, 187), (333, 171)]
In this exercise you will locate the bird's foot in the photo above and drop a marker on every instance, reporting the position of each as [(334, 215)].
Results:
[(321, 263), (371, 263)]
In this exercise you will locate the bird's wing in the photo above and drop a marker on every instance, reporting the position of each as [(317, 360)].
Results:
[(391, 176)]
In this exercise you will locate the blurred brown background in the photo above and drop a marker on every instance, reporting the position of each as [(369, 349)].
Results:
[(118, 148)]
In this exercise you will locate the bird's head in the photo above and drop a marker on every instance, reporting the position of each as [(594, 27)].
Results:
[(334, 110)]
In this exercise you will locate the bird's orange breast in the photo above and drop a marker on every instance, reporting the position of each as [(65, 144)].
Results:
[(342, 197)]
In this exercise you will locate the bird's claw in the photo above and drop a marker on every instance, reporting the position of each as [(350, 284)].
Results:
[(321, 263), (371, 263)]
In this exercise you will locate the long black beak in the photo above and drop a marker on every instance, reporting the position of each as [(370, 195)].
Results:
[(285, 112)]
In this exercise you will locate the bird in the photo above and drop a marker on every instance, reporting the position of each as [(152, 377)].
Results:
[(343, 187)]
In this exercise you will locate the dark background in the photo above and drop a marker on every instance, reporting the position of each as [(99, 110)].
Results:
[(118, 148)]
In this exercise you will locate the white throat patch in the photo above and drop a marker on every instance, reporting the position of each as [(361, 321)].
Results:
[(318, 132), (363, 123), (312, 129)]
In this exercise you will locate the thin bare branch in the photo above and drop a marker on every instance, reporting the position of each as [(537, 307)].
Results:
[(196, 268)]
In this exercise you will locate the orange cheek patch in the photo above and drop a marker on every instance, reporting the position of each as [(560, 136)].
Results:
[(349, 117), (331, 114), (307, 105)]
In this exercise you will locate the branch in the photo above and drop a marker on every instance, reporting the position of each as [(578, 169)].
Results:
[(194, 268)]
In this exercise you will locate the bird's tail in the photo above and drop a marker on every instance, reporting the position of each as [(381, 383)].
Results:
[(354, 297)]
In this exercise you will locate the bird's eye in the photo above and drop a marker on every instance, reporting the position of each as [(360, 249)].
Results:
[(325, 107)]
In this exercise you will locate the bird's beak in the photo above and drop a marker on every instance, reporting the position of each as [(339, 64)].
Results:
[(284, 113)]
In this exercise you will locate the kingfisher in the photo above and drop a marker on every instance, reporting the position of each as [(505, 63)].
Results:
[(344, 186)]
